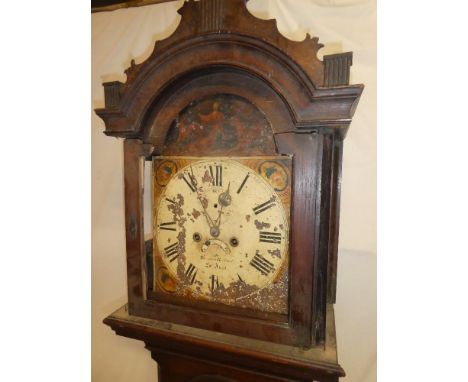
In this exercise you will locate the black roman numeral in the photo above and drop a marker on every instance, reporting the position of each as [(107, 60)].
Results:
[(264, 206), (214, 282), (191, 272), (261, 264), (218, 178), (189, 183), (270, 237), (171, 251), (243, 183), (165, 226)]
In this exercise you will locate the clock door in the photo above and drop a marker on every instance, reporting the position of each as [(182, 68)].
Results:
[(221, 212), (221, 232)]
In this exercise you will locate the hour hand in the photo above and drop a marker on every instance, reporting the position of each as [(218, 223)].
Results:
[(225, 198)]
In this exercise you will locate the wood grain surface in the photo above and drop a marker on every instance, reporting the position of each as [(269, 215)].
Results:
[(292, 103)]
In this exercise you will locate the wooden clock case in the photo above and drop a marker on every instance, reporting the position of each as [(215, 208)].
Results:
[(219, 48)]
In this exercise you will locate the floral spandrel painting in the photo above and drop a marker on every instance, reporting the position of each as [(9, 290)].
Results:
[(220, 125)]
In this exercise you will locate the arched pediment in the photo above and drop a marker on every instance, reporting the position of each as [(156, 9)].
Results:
[(221, 36)]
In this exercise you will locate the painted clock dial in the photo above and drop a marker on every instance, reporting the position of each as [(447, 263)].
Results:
[(221, 228)]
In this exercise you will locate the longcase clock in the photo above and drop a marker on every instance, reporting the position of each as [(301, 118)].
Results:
[(244, 130)]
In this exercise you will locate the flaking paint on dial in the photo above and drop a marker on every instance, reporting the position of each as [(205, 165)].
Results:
[(251, 246)]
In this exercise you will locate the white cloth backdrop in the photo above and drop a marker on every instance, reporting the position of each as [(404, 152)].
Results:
[(342, 25)]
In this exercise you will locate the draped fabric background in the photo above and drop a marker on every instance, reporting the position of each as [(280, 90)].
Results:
[(123, 35)]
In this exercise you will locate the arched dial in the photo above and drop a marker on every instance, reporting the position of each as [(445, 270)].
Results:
[(221, 229)]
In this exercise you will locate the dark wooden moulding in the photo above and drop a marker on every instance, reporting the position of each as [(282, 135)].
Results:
[(220, 48)]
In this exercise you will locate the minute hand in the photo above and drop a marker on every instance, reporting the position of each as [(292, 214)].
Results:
[(211, 224)]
